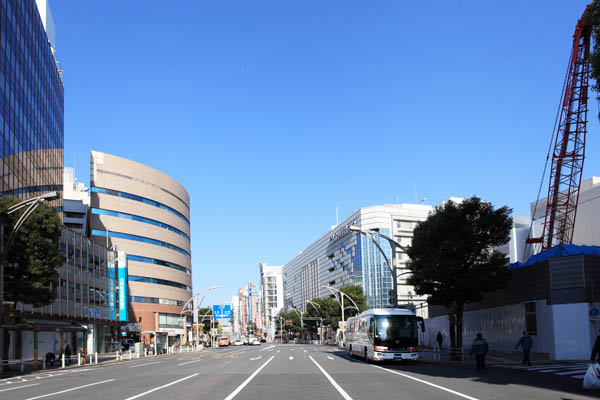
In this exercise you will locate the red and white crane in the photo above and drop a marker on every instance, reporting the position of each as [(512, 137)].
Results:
[(569, 145)]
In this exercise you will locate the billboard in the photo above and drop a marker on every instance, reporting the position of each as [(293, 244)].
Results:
[(222, 311)]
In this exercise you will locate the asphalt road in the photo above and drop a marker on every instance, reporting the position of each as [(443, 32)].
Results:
[(287, 372)]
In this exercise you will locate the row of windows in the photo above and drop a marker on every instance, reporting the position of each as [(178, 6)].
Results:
[(145, 183), (99, 211), (120, 235), (135, 197), (131, 257), (157, 281), (170, 320), (155, 300)]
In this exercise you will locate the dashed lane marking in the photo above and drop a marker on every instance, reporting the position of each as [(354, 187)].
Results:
[(161, 387), (69, 390), (291, 358), (256, 358), (144, 365), (245, 383), (331, 358)]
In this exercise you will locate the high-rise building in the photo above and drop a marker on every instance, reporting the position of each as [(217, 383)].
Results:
[(145, 213), (271, 287), (31, 102), (342, 257)]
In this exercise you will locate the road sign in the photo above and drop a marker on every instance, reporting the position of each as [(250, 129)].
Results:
[(222, 311)]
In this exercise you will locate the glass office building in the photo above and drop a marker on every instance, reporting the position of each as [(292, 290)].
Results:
[(31, 102), (342, 257)]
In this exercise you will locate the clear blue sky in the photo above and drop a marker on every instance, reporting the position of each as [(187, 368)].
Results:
[(272, 113)]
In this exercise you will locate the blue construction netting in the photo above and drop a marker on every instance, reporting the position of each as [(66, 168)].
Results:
[(562, 250)]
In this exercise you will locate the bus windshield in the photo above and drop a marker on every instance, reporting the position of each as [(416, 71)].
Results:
[(396, 331)]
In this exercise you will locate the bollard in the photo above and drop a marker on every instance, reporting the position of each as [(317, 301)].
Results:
[(78, 358), (91, 359), (117, 358), (96, 358), (44, 363), (22, 365), (130, 354), (145, 352), (63, 360)]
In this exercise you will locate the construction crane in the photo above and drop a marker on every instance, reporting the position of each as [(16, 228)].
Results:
[(569, 145)]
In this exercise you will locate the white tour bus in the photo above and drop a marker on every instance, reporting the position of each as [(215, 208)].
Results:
[(384, 334)]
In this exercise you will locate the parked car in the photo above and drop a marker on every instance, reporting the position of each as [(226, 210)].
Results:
[(255, 342), (263, 340), (237, 342), (246, 340), (223, 341)]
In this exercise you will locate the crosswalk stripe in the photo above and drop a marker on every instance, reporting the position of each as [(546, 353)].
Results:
[(576, 371)]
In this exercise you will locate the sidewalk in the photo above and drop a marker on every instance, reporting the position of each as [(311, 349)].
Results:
[(103, 359)]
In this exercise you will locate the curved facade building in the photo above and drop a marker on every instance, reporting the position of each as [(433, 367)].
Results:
[(146, 214)]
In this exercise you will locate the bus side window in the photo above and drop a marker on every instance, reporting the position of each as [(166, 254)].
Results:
[(372, 328)]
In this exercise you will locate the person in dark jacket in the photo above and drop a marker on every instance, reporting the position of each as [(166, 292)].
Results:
[(480, 348), (68, 354), (526, 342), (596, 349), (440, 339)]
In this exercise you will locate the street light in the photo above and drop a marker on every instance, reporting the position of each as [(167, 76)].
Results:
[(342, 294), (33, 203), (300, 315), (392, 266), (316, 307), (195, 304)]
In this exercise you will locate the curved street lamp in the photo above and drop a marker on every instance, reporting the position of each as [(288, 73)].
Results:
[(195, 305), (391, 265), (341, 294)]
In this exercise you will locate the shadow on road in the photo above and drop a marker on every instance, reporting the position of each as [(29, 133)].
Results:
[(491, 376)]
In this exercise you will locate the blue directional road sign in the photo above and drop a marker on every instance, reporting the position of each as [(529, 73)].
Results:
[(222, 311)]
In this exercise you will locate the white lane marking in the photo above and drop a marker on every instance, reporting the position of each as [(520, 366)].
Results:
[(143, 365), (189, 362), (13, 388), (267, 348), (229, 362), (305, 351), (331, 358), (577, 371), (278, 351), (427, 383), (345, 395), (256, 358), (247, 381), (69, 390), (161, 387), (291, 358)]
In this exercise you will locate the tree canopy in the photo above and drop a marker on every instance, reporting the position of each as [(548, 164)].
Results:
[(452, 256), (592, 21), (35, 258)]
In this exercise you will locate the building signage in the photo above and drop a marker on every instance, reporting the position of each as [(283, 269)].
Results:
[(122, 270), (171, 331), (112, 314), (341, 232), (222, 311)]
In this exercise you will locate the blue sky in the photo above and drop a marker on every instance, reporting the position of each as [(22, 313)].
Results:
[(272, 113)]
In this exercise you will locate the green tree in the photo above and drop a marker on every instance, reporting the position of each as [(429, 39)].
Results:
[(592, 21), (35, 258), (452, 258)]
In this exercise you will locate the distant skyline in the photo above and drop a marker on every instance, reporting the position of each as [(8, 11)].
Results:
[(272, 114)]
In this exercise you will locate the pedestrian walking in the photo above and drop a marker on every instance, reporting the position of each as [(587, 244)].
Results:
[(596, 349), (440, 339), (479, 348), (526, 342), (82, 353), (68, 354)]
